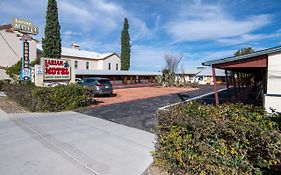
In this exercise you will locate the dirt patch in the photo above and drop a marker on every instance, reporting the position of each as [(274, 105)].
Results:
[(10, 106), (130, 94)]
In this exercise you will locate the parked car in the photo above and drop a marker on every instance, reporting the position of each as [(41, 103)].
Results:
[(78, 81), (100, 86)]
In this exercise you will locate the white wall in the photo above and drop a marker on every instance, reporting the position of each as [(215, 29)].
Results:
[(93, 64), (205, 80), (274, 82), (7, 56), (113, 60)]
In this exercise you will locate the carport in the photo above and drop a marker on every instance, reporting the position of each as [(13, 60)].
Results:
[(260, 69)]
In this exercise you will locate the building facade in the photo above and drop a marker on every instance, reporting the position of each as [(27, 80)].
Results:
[(259, 71), (11, 48), (88, 60)]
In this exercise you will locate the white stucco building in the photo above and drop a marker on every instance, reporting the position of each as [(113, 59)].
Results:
[(261, 68), (88, 60), (11, 48), (202, 76)]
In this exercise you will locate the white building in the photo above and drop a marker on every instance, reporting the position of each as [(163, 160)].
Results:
[(11, 48), (88, 60), (262, 67), (202, 75)]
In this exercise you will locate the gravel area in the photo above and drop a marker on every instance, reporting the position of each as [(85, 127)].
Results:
[(10, 106), (154, 170)]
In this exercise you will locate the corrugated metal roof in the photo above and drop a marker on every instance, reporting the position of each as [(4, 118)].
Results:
[(251, 55), (188, 72), (112, 72), (208, 72), (80, 53)]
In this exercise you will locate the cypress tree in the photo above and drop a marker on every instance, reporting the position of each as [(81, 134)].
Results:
[(125, 46), (51, 43)]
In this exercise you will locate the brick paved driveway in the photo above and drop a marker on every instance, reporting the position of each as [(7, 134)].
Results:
[(131, 94), (140, 113)]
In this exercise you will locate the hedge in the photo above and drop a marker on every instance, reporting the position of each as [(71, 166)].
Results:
[(52, 99), (226, 139), (3, 83)]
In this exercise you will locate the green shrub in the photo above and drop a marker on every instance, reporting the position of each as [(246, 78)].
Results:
[(226, 139), (14, 70), (53, 99), (3, 83)]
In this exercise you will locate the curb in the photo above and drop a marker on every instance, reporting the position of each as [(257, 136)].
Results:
[(194, 98)]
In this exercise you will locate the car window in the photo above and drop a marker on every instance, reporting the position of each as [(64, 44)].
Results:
[(104, 82), (89, 80)]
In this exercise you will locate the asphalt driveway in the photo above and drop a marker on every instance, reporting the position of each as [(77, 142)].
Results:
[(70, 143), (140, 113)]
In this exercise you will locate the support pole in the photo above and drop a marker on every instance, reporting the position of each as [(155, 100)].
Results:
[(226, 79), (234, 84), (227, 83), (239, 82), (215, 85)]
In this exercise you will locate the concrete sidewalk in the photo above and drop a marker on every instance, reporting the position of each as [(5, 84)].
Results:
[(71, 143)]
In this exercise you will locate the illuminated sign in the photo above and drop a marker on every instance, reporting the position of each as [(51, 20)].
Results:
[(25, 26), (56, 69)]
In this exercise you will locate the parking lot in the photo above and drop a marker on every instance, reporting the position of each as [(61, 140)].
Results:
[(136, 107), (132, 94)]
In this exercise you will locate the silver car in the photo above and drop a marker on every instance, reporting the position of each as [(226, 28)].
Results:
[(100, 86)]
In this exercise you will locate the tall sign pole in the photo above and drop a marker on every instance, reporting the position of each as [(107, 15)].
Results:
[(26, 28), (25, 70)]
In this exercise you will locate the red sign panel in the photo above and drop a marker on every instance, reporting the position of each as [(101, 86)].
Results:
[(56, 69)]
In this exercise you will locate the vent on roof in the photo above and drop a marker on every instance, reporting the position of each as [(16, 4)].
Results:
[(75, 46)]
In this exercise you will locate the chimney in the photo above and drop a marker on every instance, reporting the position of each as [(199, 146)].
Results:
[(75, 46)]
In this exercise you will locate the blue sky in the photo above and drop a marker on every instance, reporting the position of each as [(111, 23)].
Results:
[(198, 30)]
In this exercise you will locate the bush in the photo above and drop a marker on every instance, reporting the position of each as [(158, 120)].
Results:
[(53, 99), (14, 70), (3, 83), (227, 139)]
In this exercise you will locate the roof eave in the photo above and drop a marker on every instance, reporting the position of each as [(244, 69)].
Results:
[(251, 55)]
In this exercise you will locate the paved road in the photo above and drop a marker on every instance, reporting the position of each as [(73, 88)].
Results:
[(140, 113), (71, 143)]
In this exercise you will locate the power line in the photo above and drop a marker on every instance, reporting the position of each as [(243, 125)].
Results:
[(9, 45)]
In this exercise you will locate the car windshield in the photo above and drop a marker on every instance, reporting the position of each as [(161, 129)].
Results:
[(107, 82), (90, 80)]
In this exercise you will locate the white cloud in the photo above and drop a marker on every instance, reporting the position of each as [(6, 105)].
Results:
[(148, 57), (246, 38), (210, 22), (71, 33)]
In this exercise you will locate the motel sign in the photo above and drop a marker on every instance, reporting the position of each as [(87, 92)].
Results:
[(26, 28)]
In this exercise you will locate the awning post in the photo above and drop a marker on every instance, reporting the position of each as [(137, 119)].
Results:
[(215, 85), (239, 81), (234, 84)]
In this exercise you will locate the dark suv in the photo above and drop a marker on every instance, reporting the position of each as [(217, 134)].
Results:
[(101, 86)]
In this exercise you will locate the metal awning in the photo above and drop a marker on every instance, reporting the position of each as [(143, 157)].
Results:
[(259, 53)]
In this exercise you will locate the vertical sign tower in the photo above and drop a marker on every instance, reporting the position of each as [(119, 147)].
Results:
[(26, 28)]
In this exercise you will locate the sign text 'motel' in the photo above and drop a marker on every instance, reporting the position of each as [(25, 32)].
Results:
[(56, 69), (25, 26)]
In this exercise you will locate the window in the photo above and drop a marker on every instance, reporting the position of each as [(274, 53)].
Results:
[(116, 66), (109, 66), (87, 65), (76, 64)]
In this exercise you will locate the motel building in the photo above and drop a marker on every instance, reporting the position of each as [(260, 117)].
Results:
[(255, 77), (82, 63), (201, 75)]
